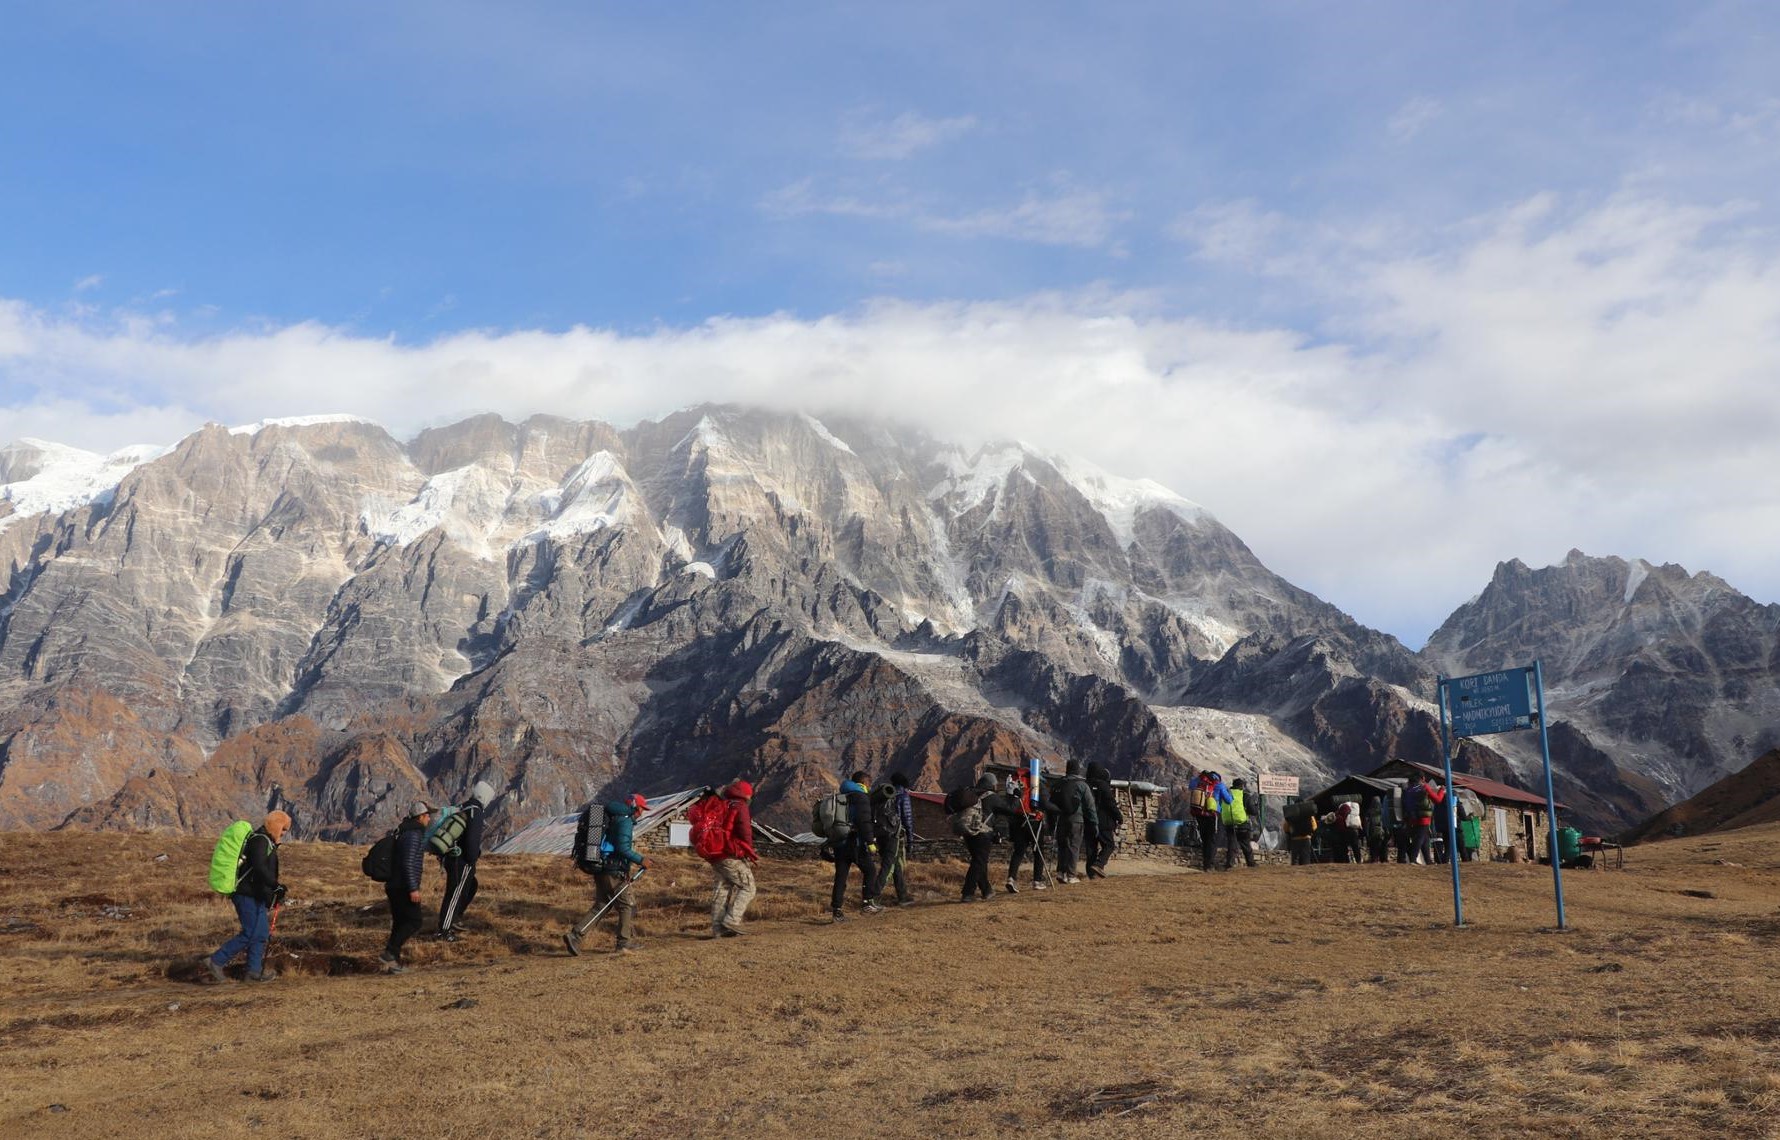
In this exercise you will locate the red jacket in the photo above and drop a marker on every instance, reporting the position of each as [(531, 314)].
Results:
[(741, 834)]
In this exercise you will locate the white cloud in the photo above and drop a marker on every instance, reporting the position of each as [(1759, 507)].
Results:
[(901, 137), (91, 281), (1065, 216), (1413, 117), (1602, 378)]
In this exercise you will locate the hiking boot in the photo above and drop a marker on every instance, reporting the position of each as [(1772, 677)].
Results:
[(216, 971), (263, 976), (391, 963), (572, 944), (871, 908), (729, 932), (1038, 886), (905, 902), (447, 935), (627, 947), (968, 898), (1010, 888), (839, 917)]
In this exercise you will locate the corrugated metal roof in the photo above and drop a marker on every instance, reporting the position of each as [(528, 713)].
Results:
[(555, 835), (1489, 789)]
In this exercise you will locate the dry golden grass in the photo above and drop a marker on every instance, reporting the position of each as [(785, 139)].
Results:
[(1327, 1000)]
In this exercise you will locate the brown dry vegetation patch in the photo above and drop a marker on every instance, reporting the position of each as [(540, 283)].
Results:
[(1279, 1000)]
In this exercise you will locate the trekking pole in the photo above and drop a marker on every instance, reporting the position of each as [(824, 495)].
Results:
[(1038, 851), (583, 928)]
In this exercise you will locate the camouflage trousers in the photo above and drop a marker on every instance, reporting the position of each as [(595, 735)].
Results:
[(735, 890)]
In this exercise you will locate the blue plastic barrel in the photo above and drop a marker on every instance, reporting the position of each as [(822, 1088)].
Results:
[(1164, 832)]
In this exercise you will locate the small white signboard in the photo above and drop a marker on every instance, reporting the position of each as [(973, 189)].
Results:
[(679, 835), (1273, 784)]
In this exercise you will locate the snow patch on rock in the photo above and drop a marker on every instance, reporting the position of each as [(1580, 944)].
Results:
[(51, 478), (1121, 500), (297, 421), (826, 436)]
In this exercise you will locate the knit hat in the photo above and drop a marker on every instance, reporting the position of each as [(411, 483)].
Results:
[(899, 780), (482, 793), (1073, 768), (740, 790), (277, 823), (419, 808), (986, 782)]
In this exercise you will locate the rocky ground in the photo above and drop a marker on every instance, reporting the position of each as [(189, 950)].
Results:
[(1289, 1001)]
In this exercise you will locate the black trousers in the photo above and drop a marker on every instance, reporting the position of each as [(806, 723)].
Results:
[(1352, 850), (1232, 837), (1069, 846), (977, 876), (460, 890), (1300, 851), (1208, 839), (405, 919), (1380, 848), (845, 856), (1027, 839), (1101, 842)]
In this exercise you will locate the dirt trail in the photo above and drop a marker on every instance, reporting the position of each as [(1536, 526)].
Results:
[(1281, 1000)]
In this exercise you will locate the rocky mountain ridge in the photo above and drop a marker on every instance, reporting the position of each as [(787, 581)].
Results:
[(315, 614)]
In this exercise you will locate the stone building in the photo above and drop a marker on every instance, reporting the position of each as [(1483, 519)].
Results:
[(1511, 819)]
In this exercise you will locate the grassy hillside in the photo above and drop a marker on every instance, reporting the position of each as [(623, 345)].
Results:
[(1742, 799), (1277, 1000)]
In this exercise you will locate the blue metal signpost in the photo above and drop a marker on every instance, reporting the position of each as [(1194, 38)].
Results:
[(1481, 704)]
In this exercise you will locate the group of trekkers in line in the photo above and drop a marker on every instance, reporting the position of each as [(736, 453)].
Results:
[(870, 828), (398, 861), (1364, 830)]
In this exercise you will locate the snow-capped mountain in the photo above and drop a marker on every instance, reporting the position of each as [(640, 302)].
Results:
[(314, 613), (1675, 675)]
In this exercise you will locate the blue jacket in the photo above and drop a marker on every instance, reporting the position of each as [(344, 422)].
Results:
[(621, 826), (1221, 794)]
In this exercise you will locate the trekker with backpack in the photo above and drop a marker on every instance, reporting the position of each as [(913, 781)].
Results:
[(407, 865), (1300, 828), (459, 860), (1203, 799), (1378, 838), (723, 834), (1420, 802), (893, 817), (971, 821), (1107, 821), (859, 845), (1350, 832), (257, 892), (1234, 815), (616, 856), (1027, 833), (1075, 818)]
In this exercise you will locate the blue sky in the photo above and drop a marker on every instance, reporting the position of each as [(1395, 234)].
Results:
[(1316, 265)]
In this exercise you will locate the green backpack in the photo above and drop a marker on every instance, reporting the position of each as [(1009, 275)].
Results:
[(227, 858), (442, 837)]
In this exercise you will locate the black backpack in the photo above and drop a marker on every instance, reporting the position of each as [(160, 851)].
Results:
[(380, 861), (590, 840)]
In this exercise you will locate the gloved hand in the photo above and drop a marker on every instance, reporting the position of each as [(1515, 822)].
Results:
[(872, 847)]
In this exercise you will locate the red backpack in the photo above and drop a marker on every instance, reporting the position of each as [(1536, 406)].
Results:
[(712, 820)]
